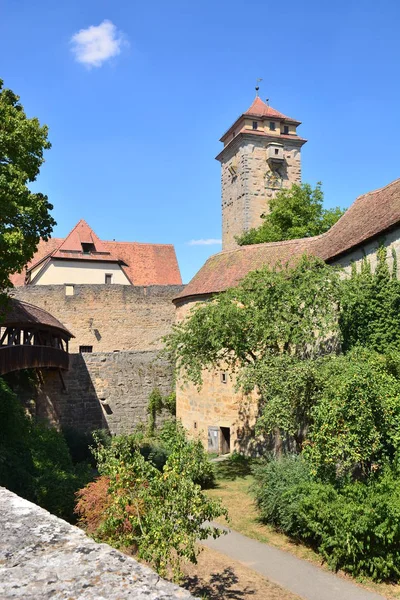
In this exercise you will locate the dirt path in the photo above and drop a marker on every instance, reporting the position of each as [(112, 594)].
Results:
[(217, 577)]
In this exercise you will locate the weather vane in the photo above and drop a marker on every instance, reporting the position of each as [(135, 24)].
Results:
[(257, 86)]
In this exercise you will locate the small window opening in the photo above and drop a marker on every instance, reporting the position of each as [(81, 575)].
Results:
[(272, 126), (286, 129), (276, 150), (255, 125), (195, 425), (87, 248), (108, 279), (84, 349), (224, 377)]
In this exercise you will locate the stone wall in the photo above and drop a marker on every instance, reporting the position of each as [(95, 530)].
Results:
[(391, 240), (103, 390), (108, 317), (42, 556), (246, 196)]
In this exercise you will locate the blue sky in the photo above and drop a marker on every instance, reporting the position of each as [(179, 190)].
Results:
[(135, 135)]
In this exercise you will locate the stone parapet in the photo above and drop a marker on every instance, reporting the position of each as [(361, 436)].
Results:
[(42, 556)]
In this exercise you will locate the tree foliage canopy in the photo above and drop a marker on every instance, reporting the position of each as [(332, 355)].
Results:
[(276, 310), (294, 213), (24, 214)]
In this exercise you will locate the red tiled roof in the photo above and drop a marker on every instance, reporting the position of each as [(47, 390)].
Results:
[(44, 249), (226, 269), (144, 264), (147, 264), (80, 234), (261, 109), (22, 313), (368, 217)]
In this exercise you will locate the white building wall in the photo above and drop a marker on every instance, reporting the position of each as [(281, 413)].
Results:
[(74, 272)]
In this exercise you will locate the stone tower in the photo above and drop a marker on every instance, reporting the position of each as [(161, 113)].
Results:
[(261, 155)]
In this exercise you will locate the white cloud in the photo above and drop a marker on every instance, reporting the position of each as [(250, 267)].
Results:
[(207, 242), (96, 44)]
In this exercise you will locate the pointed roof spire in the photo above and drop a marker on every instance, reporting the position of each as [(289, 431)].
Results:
[(261, 109)]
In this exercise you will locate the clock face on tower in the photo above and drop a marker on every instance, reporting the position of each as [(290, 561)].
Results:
[(273, 180)]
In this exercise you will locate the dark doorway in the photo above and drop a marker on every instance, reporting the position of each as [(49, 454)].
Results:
[(225, 440)]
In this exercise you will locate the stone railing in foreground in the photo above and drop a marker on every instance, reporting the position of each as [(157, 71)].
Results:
[(44, 557)]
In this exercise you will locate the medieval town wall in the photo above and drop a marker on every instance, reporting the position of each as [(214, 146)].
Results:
[(103, 390), (369, 251), (108, 317)]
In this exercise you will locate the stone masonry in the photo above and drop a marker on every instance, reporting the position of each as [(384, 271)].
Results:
[(108, 317), (103, 390), (246, 195), (42, 556)]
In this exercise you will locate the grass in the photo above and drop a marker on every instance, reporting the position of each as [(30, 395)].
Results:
[(234, 480)]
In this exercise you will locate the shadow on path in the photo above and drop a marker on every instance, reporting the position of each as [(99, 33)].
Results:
[(220, 585)]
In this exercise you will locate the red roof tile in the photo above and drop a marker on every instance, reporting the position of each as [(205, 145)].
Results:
[(80, 234), (368, 217), (44, 249), (261, 109), (147, 264), (144, 264)]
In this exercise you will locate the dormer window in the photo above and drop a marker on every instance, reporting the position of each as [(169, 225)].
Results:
[(286, 129), (272, 126), (255, 125), (88, 248)]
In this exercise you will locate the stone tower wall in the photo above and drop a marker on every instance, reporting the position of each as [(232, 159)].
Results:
[(246, 195)]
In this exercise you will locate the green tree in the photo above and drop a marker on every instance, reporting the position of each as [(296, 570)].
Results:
[(355, 426), (25, 215), (294, 213), (272, 311)]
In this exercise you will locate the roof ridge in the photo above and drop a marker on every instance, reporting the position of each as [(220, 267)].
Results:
[(357, 201), (271, 244), (137, 243)]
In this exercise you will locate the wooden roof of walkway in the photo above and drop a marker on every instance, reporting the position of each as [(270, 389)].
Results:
[(30, 337)]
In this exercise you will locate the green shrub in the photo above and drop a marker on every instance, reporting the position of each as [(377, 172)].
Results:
[(158, 514), (56, 477), (156, 449), (79, 444), (275, 479), (16, 464), (355, 527), (355, 427), (35, 461)]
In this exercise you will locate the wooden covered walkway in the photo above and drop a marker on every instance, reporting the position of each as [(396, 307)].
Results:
[(30, 337)]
